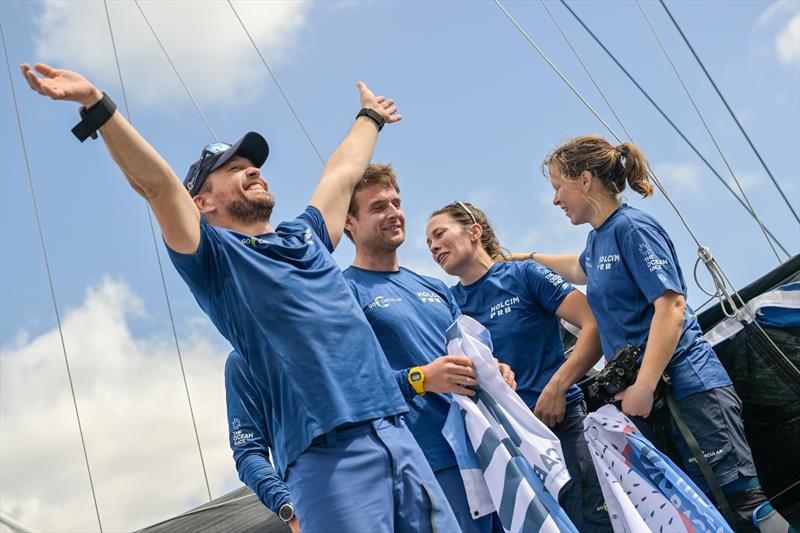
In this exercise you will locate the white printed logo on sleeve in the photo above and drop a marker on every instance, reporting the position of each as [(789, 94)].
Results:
[(238, 436), (555, 279), (652, 261)]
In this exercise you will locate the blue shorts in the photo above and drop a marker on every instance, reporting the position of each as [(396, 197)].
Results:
[(715, 418), (373, 479)]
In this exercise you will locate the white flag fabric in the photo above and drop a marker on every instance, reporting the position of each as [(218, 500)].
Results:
[(643, 489), (509, 460)]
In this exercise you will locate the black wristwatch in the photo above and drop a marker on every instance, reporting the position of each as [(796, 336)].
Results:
[(93, 118), (374, 115), (286, 512)]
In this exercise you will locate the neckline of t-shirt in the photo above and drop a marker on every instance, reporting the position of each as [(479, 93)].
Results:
[(612, 216), (376, 271), (480, 279)]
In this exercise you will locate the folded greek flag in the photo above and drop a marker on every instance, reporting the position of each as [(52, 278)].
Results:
[(509, 460), (643, 489)]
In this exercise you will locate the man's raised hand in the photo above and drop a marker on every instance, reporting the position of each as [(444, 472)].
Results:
[(60, 84), (382, 105)]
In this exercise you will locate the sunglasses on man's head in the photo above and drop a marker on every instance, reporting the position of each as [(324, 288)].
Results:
[(212, 149)]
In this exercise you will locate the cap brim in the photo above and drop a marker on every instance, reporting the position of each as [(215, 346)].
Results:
[(252, 146)]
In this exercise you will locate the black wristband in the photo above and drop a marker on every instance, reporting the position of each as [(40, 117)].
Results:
[(374, 115), (93, 118)]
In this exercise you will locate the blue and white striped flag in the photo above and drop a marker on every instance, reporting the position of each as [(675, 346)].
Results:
[(643, 489), (509, 460)]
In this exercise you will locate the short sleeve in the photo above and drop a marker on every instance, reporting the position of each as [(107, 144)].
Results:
[(317, 224), (651, 260), (198, 269), (544, 286), (582, 261)]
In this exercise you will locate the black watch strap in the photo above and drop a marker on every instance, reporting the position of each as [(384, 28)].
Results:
[(93, 118), (374, 115)]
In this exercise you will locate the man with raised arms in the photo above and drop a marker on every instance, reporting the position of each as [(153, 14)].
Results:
[(330, 400), (409, 314)]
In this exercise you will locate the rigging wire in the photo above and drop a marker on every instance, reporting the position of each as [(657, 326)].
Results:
[(728, 107), (596, 114), (278, 85), (50, 277), (177, 73), (707, 127), (160, 266), (721, 281), (666, 117), (720, 294)]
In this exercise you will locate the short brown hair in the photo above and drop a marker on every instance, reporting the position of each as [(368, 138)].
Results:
[(376, 173)]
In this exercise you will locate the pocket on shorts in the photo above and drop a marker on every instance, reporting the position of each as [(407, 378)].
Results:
[(708, 425)]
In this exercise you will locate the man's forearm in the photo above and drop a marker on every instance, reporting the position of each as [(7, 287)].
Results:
[(256, 472), (145, 169)]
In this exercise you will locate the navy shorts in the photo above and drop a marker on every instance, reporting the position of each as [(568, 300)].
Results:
[(715, 418)]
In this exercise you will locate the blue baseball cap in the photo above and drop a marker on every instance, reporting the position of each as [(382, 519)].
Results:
[(252, 146)]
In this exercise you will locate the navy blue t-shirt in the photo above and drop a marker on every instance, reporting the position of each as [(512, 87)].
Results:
[(281, 301), (409, 314), (517, 302), (248, 434), (629, 262)]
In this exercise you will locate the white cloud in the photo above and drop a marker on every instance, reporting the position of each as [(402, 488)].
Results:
[(776, 10), (135, 417), (682, 177), (787, 42), (748, 181), (787, 32), (203, 39)]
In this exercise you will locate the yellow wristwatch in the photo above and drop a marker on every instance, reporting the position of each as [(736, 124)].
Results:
[(417, 379)]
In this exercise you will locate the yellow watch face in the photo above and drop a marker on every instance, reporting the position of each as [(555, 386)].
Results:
[(417, 380)]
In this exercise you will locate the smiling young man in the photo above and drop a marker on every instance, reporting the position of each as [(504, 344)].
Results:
[(409, 314), (329, 398)]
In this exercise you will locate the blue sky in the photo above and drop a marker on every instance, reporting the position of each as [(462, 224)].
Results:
[(481, 110)]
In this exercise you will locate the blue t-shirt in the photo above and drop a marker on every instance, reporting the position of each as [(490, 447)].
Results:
[(281, 301), (248, 434), (629, 262), (517, 302), (409, 314)]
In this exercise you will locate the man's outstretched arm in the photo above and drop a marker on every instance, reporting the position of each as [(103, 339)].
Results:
[(347, 164), (145, 169)]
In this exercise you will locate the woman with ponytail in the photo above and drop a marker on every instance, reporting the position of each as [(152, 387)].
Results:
[(520, 303), (636, 290)]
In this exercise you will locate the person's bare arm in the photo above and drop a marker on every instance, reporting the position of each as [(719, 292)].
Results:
[(347, 164), (146, 171), (665, 332), (567, 266), (587, 351)]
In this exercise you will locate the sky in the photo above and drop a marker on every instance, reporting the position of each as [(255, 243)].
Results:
[(481, 111)]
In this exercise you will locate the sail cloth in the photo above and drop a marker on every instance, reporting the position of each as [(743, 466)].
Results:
[(777, 308), (509, 460), (643, 489)]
